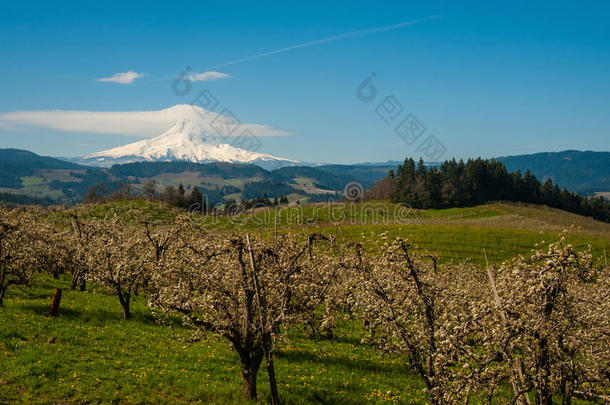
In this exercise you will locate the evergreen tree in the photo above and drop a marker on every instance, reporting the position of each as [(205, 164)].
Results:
[(196, 196), (478, 181)]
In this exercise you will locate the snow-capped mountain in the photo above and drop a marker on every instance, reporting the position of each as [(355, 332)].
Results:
[(188, 140)]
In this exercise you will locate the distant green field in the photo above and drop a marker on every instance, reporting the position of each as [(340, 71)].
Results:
[(455, 234), (304, 181), (458, 243), (31, 181), (38, 187)]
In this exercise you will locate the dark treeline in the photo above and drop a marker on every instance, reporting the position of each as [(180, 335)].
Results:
[(457, 184), (231, 206), (264, 201), (196, 198), (103, 192), (254, 189), (206, 199), (20, 199), (178, 196)]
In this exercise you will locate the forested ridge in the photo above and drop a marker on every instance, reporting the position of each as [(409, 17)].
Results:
[(477, 181)]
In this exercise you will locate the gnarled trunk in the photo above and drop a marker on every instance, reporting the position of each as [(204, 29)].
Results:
[(248, 374), (124, 299), (250, 363), (566, 392)]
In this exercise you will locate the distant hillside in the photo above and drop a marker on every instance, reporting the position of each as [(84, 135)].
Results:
[(24, 173), (582, 172), (29, 178), (20, 156), (319, 177), (367, 175), (220, 169), (17, 163)]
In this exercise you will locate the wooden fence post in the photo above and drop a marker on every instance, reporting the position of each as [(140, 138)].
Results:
[(275, 226), (55, 302)]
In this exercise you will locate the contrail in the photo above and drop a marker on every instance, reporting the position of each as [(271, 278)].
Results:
[(329, 39)]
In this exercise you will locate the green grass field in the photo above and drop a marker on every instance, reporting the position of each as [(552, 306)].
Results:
[(455, 234), (31, 181), (89, 354)]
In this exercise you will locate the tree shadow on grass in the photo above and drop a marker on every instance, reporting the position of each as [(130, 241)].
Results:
[(330, 394), (328, 397), (350, 339), (355, 363), (86, 315)]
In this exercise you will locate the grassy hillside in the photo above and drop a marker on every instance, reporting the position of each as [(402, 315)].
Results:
[(456, 234), (503, 230)]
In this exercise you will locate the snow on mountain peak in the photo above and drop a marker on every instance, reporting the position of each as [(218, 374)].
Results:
[(188, 139)]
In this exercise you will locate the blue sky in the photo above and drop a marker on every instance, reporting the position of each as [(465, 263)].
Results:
[(485, 78)]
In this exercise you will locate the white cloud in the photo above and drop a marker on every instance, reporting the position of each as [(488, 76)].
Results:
[(144, 124), (123, 78), (208, 76)]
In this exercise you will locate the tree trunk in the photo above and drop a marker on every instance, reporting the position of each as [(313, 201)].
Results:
[(544, 393), (75, 278), (124, 300), (275, 399), (434, 398), (251, 358), (566, 399), (267, 339), (248, 373), (563, 388), (544, 396), (2, 292), (566, 391)]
